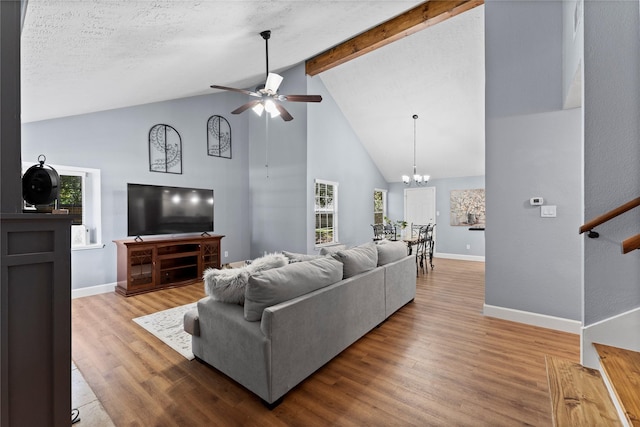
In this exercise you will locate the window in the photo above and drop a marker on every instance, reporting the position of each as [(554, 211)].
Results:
[(79, 193), (379, 205), (70, 196), (326, 212)]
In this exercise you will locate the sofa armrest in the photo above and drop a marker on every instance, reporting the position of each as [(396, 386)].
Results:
[(400, 283), (191, 322), (232, 345)]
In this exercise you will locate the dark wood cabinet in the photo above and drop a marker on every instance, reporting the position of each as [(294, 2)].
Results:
[(149, 265)]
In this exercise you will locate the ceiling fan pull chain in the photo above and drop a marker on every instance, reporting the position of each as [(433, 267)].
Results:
[(266, 146)]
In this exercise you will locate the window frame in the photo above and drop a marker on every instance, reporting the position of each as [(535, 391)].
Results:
[(333, 211), (384, 204)]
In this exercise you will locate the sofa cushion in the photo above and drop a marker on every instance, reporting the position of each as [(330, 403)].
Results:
[(295, 257), (272, 287), (330, 250), (229, 285), (390, 252), (358, 260)]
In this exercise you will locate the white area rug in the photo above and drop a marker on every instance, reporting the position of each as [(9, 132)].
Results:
[(167, 326)]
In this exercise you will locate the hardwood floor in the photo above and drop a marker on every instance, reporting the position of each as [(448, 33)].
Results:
[(437, 361)]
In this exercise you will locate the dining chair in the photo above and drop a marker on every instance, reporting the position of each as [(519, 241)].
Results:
[(378, 232)]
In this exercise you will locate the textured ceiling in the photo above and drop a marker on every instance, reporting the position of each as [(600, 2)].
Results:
[(438, 74), (81, 56)]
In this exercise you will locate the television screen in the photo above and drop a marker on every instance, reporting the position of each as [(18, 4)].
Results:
[(154, 209)]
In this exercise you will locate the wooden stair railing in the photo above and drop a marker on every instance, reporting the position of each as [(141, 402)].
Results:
[(628, 244)]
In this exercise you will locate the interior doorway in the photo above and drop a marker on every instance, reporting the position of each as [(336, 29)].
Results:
[(419, 206)]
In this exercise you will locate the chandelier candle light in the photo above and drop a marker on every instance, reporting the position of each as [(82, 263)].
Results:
[(418, 179)]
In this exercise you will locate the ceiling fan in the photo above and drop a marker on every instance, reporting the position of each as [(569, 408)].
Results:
[(269, 99)]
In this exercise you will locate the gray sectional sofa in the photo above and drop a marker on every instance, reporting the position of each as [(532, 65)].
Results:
[(298, 317)]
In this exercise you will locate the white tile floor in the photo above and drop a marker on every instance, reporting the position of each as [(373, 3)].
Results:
[(92, 414)]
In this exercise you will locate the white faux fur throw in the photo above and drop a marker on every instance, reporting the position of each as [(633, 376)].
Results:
[(228, 285)]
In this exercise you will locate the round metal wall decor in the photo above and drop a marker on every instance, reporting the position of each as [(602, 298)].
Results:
[(165, 149), (218, 137)]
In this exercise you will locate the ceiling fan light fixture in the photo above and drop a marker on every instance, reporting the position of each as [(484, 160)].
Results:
[(273, 83), (268, 93), (270, 106), (258, 109)]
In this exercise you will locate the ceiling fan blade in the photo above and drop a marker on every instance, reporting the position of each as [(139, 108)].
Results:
[(283, 112), (233, 89), (273, 83), (246, 106), (301, 98)]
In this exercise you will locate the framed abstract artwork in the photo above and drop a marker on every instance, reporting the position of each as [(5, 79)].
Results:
[(467, 207)]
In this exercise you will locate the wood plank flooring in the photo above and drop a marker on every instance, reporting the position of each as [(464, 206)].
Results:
[(622, 368), (579, 396), (436, 362)]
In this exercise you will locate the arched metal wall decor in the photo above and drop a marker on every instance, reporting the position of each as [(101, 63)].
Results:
[(165, 149), (218, 137)]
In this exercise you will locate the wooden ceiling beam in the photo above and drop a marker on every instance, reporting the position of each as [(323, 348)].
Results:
[(420, 17)]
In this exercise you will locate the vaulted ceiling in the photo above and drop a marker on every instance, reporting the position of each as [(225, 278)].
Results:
[(86, 56)]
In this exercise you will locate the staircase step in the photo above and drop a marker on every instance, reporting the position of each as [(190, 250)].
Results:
[(622, 368), (579, 396)]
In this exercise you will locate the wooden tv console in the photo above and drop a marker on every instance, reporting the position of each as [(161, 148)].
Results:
[(153, 264)]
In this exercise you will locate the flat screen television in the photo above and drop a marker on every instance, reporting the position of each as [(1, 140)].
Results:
[(156, 209)]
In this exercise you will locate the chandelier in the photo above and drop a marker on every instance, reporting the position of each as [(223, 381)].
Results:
[(417, 179)]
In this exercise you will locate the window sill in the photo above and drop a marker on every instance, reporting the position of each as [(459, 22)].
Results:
[(87, 247), (327, 245)]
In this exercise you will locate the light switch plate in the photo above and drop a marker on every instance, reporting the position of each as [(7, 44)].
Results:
[(548, 211)]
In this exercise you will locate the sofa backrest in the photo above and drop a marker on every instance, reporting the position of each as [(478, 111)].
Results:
[(274, 286)]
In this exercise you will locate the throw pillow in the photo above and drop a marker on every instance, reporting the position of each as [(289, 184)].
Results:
[(330, 250), (226, 285), (272, 287), (294, 257), (268, 261), (358, 260), (229, 285), (390, 252)]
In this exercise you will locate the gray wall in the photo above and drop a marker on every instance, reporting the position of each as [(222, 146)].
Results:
[(335, 153), (449, 239), (533, 148), (279, 192), (612, 154), (454, 239), (317, 143), (116, 142), (258, 208), (572, 48)]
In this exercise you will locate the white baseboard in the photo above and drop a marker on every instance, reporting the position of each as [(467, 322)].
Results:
[(534, 319), (478, 258), (614, 331), (93, 290)]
